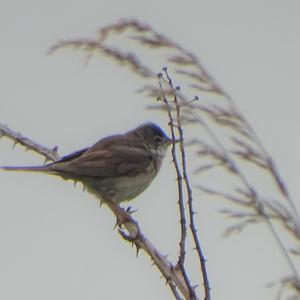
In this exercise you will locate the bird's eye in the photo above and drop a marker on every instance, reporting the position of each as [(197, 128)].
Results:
[(157, 139)]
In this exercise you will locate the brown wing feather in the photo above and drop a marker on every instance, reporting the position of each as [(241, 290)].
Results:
[(117, 160)]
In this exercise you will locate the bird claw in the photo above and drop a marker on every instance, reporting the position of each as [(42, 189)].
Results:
[(122, 215), (130, 210)]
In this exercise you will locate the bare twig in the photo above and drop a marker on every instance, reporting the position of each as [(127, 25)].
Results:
[(183, 235), (49, 154), (189, 191)]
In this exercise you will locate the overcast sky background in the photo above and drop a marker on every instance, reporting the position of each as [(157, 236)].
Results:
[(56, 243)]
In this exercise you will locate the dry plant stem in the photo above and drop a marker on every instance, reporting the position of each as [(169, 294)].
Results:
[(183, 235), (256, 202), (134, 234), (269, 162), (189, 193), (49, 154), (174, 291)]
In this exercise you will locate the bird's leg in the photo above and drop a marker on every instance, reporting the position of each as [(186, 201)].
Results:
[(124, 219), (121, 215), (130, 210)]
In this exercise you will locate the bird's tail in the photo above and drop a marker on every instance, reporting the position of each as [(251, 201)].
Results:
[(30, 169)]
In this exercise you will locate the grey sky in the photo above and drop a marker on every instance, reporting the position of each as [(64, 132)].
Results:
[(56, 243)]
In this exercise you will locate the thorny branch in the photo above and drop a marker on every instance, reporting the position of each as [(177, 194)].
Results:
[(49, 154), (182, 243), (190, 196), (191, 211)]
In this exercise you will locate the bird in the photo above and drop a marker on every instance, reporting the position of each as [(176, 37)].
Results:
[(117, 168)]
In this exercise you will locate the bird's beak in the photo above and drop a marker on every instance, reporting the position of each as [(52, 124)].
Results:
[(175, 141)]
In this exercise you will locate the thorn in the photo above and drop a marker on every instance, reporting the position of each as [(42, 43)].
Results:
[(55, 149), (75, 182), (46, 159), (165, 256), (130, 211), (137, 249), (117, 224), (165, 69), (14, 144)]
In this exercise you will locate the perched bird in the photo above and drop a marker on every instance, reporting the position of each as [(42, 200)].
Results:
[(118, 167)]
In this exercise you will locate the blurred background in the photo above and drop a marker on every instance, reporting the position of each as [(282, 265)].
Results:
[(55, 240)]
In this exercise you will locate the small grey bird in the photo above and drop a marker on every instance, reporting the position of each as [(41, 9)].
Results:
[(118, 167)]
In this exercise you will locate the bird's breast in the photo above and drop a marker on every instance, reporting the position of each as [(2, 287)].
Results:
[(123, 188)]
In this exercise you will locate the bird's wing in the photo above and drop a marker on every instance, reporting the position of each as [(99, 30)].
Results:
[(72, 155), (106, 162)]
